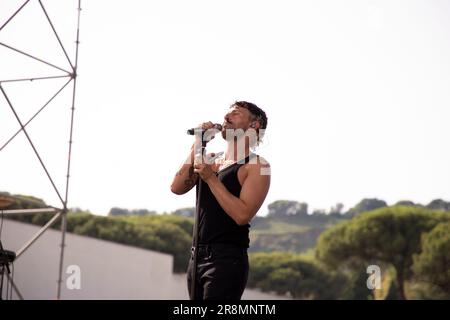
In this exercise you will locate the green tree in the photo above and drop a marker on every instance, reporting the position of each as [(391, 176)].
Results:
[(282, 281), (392, 292), (115, 211), (433, 263), (389, 235), (336, 210), (185, 212), (406, 203), (287, 273), (281, 208), (439, 204), (23, 201), (366, 205), (356, 288)]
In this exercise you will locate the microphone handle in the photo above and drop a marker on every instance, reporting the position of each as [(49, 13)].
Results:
[(191, 131)]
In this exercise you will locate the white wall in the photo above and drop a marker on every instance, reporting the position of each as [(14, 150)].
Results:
[(108, 270)]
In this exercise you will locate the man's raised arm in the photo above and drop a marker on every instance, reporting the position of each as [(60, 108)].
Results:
[(185, 178)]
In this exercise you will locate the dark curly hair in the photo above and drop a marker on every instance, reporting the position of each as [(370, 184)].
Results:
[(257, 113)]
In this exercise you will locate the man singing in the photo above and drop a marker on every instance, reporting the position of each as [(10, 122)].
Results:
[(233, 189)]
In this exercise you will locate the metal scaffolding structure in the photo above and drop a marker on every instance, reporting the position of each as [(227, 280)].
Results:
[(71, 75)]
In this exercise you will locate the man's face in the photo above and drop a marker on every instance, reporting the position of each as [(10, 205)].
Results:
[(236, 118)]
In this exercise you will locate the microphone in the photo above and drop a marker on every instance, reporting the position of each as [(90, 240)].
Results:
[(192, 131)]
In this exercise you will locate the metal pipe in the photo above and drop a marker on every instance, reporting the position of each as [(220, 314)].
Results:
[(56, 34), (38, 234), (31, 211), (36, 78), (15, 287), (33, 57), (64, 217), (31, 142), (34, 116), (14, 14), (61, 258)]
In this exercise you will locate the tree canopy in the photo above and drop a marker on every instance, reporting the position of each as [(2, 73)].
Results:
[(389, 235)]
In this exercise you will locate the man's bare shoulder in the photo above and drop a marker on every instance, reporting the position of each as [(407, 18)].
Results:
[(258, 165)]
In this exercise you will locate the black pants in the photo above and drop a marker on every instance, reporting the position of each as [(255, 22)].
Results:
[(222, 272)]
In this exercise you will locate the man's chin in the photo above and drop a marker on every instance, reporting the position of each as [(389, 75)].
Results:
[(224, 135), (229, 137), (233, 134)]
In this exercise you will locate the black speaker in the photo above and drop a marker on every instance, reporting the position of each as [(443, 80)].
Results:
[(6, 256)]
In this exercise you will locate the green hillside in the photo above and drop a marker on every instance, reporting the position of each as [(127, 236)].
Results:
[(303, 255), (290, 233)]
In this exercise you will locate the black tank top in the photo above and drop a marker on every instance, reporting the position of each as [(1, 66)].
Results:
[(215, 225)]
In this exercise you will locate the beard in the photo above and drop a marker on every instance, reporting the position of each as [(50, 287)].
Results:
[(232, 134)]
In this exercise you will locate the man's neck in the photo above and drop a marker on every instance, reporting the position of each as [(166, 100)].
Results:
[(237, 150)]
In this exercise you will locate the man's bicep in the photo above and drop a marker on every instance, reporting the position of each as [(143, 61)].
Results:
[(254, 191), (184, 181)]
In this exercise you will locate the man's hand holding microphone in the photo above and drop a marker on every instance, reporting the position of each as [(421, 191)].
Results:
[(204, 165), (196, 164)]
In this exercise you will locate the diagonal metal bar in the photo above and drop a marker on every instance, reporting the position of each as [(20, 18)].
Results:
[(31, 143), (15, 287), (37, 235), (56, 34), (14, 14), (33, 57), (31, 211), (42, 108), (33, 79)]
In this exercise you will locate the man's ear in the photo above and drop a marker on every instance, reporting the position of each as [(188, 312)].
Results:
[(255, 125)]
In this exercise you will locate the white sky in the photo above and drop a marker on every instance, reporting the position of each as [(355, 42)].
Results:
[(357, 95)]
